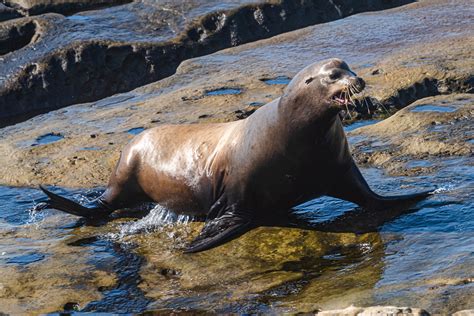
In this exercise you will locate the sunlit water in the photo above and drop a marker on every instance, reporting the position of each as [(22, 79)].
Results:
[(425, 254)]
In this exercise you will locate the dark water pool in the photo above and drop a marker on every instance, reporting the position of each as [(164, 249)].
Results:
[(424, 258)]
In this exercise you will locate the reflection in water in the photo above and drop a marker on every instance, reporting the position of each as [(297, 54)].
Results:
[(424, 258)]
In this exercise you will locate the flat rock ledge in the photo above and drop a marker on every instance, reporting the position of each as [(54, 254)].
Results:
[(385, 311), (375, 310)]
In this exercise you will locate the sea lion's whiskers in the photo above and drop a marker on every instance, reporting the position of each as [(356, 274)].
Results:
[(347, 95), (367, 105), (363, 97), (348, 112), (351, 90), (383, 106)]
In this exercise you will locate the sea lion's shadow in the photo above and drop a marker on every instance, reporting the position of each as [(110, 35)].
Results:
[(356, 220)]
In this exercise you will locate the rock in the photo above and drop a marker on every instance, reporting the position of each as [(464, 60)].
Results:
[(7, 13), (272, 262), (65, 276), (17, 34), (375, 310), (435, 51), (467, 312), (96, 54), (410, 134), (34, 7)]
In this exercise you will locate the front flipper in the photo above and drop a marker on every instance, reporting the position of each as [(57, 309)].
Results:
[(221, 230), (351, 186)]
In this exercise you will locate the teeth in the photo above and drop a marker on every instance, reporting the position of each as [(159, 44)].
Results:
[(341, 100)]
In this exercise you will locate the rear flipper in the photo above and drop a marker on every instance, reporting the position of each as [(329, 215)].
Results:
[(98, 210)]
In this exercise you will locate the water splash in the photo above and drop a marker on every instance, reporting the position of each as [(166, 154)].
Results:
[(36, 215), (159, 219), (87, 197), (445, 188)]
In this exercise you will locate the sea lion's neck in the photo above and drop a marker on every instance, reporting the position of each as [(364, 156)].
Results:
[(300, 113)]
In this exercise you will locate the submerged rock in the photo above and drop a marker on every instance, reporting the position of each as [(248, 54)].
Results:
[(266, 262)]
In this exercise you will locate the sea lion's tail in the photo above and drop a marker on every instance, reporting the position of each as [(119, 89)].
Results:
[(61, 203)]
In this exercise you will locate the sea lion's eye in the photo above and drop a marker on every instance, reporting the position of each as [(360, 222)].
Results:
[(309, 80), (334, 75)]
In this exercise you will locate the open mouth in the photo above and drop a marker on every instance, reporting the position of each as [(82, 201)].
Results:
[(342, 98), (345, 96)]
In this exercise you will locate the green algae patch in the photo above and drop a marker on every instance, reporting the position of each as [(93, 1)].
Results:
[(264, 265)]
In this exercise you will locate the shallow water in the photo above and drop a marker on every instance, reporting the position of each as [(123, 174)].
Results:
[(48, 138), (423, 259), (135, 130), (278, 80), (433, 108), (358, 124), (223, 91)]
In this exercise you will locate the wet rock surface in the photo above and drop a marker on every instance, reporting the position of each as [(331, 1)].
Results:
[(376, 310), (401, 59), (34, 7), (17, 34), (416, 59), (438, 126), (7, 13), (95, 54)]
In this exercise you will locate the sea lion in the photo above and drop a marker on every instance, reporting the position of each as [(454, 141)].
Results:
[(238, 174)]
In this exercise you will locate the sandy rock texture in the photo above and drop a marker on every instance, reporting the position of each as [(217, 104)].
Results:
[(415, 51), (467, 312)]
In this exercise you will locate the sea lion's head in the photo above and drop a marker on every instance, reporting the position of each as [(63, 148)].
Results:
[(323, 87)]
